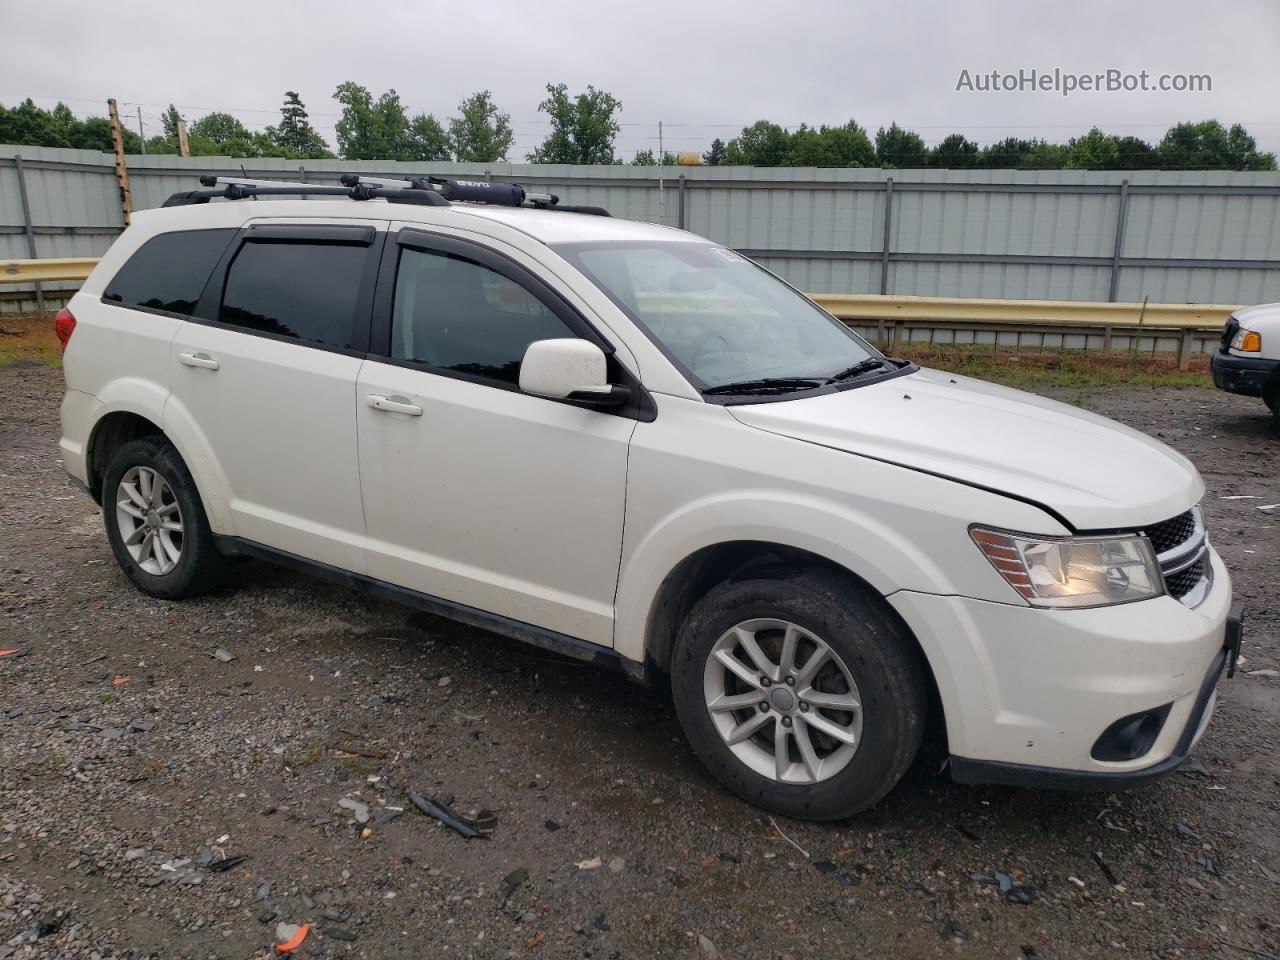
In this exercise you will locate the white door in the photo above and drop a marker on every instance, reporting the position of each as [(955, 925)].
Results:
[(473, 491), (266, 380)]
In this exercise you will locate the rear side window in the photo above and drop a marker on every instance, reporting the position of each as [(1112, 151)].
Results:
[(168, 272), (304, 290), (454, 314)]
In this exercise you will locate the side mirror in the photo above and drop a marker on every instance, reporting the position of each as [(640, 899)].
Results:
[(569, 369)]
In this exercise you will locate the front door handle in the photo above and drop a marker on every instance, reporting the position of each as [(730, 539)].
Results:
[(394, 405), (201, 360)]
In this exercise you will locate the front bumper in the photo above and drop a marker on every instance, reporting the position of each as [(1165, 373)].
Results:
[(968, 771), (1244, 375), (1027, 693)]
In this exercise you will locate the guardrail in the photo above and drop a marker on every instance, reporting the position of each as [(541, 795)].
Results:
[(892, 315), (35, 271)]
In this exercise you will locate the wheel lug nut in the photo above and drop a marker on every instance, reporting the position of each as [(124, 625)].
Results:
[(804, 707), (786, 721), (764, 708), (791, 681), (765, 681)]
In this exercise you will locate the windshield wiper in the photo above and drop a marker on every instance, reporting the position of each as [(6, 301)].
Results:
[(765, 385), (861, 367)]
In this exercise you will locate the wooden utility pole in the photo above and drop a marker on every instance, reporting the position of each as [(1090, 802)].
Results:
[(184, 147), (122, 171), (142, 137)]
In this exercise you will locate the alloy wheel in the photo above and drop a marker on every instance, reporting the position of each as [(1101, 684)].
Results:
[(783, 700), (150, 520)]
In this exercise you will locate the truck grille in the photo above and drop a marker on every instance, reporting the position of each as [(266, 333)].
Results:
[(1229, 332), (1182, 550)]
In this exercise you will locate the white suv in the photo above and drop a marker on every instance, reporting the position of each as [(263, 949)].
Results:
[(631, 445)]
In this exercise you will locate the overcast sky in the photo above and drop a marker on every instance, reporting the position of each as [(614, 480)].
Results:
[(703, 68)]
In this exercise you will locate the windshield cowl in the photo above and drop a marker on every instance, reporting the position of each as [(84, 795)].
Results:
[(795, 388)]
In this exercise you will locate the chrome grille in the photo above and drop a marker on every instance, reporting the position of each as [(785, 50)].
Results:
[(1182, 549), (1168, 534)]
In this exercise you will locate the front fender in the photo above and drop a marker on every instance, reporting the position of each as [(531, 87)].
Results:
[(858, 542)]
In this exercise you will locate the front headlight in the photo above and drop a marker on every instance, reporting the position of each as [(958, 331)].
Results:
[(1247, 341), (1073, 571)]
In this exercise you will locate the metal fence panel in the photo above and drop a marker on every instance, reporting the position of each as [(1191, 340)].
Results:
[(1051, 234)]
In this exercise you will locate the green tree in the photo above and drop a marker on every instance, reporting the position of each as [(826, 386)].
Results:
[(28, 124), (371, 129), (1044, 156), (481, 134), (715, 155), (955, 152), (903, 149), (428, 140), (295, 134), (646, 158), (1007, 154), (1208, 145), (845, 146), (763, 144), (583, 128), (170, 119), (220, 128)]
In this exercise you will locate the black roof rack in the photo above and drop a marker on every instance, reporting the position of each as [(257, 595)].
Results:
[(430, 191)]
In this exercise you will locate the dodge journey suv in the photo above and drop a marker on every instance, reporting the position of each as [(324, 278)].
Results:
[(628, 444)]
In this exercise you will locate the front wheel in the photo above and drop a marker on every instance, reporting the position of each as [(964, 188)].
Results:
[(799, 693), (156, 524)]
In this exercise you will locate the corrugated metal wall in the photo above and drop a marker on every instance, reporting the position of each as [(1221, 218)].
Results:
[(1200, 237)]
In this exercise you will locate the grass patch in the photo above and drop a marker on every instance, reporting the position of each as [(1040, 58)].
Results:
[(1059, 368), (29, 342)]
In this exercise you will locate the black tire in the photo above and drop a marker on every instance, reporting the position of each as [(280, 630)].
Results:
[(883, 660), (200, 566)]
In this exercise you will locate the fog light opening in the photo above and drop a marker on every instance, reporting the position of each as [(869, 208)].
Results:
[(1130, 737)]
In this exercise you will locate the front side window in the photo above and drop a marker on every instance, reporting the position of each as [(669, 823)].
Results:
[(169, 271), (722, 318), (295, 289), (454, 314)]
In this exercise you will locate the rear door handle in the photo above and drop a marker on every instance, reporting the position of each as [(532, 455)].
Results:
[(394, 405), (201, 360)]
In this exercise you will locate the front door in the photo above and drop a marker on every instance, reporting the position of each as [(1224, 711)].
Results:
[(473, 491)]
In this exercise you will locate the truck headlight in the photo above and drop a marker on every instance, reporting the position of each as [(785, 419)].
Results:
[(1073, 571), (1247, 341)]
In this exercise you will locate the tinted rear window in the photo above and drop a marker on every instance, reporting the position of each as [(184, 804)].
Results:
[(169, 272), (303, 290)]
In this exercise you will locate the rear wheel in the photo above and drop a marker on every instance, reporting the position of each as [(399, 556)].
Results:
[(155, 522), (799, 693)]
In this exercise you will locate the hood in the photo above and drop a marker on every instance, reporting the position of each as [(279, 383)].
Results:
[(1256, 318), (1093, 471)]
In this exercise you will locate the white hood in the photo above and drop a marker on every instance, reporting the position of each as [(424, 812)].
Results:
[(1264, 315), (1096, 473)]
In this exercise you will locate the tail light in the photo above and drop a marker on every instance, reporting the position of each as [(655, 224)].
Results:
[(64, 324)]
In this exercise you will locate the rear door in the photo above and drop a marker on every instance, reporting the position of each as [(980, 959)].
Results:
[(264, 378), (475, 492)]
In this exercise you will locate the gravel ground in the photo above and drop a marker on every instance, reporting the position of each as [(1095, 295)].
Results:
[(136, 767)]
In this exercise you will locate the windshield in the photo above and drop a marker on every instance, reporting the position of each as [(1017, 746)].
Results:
[(722, 318)]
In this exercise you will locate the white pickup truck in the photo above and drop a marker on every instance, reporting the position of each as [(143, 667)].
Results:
[(1248, 362)]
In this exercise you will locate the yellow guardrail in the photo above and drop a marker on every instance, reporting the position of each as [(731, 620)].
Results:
[(1078, 313), (35, 271), (891, 314)]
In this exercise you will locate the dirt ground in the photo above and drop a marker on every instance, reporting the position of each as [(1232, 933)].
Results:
[(134, 764)]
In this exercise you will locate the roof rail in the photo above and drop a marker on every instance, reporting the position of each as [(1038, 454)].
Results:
[(248, 191), (429, 190)]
